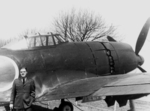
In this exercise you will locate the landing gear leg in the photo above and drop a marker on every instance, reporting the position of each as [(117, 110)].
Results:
[(7, 108), (65, 106), (132, 107)]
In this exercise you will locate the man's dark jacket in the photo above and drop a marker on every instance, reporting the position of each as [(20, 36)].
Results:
[(22, 95)]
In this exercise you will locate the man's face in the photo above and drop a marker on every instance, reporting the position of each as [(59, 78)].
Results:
[(23, 72)]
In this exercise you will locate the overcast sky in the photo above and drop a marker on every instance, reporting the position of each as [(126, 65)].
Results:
[(17, 16)]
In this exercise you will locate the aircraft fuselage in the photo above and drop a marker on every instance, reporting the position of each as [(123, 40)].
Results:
[(101, 58)]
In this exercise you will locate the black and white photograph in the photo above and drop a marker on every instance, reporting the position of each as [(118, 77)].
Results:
[(74, 55)]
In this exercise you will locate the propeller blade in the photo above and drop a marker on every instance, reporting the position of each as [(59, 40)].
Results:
[(141, 69), (111, 39), (142, 36)]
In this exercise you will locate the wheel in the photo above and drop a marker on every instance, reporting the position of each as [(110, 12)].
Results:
[(66, 106)]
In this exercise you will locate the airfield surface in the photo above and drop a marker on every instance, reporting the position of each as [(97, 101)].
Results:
[(140, 105)]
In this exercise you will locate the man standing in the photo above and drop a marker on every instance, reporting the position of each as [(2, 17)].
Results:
[(23, 92)]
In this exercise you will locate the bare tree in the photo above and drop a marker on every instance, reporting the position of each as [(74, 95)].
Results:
[(82, 26), (28, 32)]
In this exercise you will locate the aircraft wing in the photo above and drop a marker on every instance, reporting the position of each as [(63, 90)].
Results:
[(126, 85), (115, 85)]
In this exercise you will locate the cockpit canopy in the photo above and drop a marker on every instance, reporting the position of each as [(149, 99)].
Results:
[(35, 42)]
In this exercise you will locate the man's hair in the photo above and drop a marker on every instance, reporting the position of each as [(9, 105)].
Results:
[(23, 68)]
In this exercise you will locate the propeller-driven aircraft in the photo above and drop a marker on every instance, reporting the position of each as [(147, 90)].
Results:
[(85, 71)]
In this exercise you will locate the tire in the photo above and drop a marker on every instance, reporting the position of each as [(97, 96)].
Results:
[(66, 106)]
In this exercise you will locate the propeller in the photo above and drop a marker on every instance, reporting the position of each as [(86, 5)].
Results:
[(140, 42), (141, 69), (111, 39), (142, 37)]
